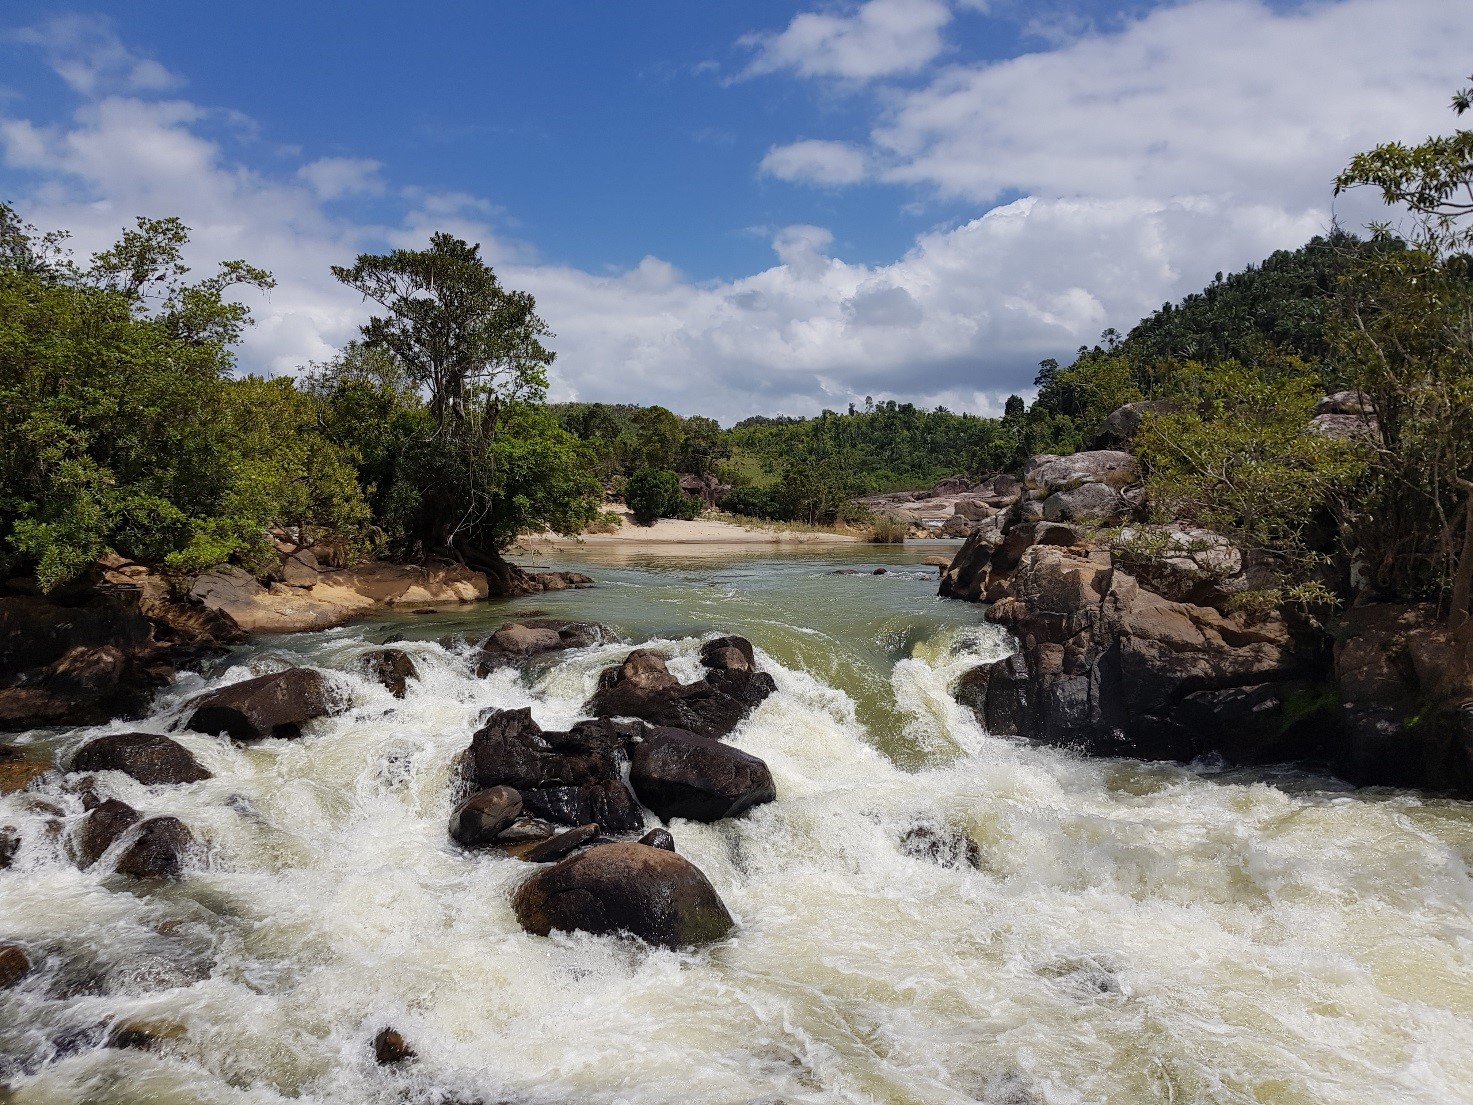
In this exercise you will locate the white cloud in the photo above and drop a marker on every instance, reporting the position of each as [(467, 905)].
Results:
[(86, 52), (1194, 140), (816, 161), (877, 39), (333, 177)]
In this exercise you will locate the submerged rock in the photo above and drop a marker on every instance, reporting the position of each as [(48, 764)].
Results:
[(15, 964), (103, 825), (392, 668), (656, 895), (679, 774), (390, 1047), (150, 758), (275, 705), (18, 775)]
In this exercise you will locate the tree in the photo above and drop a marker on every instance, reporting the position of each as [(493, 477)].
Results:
[(474, 351), (1406, 332), (655, 493)]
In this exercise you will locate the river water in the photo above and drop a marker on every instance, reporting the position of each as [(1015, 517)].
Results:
[(1129, 933)]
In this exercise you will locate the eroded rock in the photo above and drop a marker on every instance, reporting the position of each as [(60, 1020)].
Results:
[(679, 774), (275, 705), (151, 758), (642, 687)]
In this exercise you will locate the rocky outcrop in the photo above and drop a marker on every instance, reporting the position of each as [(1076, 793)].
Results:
[(1121, 424), (151, 758), (984, 565), (1114, 668), (1090, 487), (642, 687), (653, 894), (519, 641), (678, 774), (275, 705), (1406, 682), (707, 489)]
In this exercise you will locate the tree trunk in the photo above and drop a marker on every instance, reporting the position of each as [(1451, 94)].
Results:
[(1463, 574), (503, 579)]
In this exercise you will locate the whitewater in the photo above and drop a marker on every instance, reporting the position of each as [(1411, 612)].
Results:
[(1124, 932)]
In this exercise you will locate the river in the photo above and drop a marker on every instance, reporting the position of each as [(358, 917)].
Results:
[(1129, 932)]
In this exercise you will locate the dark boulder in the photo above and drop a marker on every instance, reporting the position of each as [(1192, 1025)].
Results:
[(642, 687), (9, 845), (679, 774), (103, 825), (650, 893), (658, 838), (1123, 422), (275, 705), (511, 749), (608, 803), (392, 668), (159, 849), (941, 845), (482, 817), (150, 758)]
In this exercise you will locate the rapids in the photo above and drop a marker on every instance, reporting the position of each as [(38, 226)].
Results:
[(1131, 933)]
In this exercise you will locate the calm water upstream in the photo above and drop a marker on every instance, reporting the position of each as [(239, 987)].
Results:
[(1133, 933)]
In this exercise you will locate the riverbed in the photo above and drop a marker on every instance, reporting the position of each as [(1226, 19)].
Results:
[(1120, 933)]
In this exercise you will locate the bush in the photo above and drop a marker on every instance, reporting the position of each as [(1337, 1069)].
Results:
[(653, 493), (889, 529)]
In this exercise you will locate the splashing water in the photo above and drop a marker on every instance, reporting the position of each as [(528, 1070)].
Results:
[(1129, 933)]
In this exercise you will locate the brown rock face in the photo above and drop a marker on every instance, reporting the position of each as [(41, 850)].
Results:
[(275, 705), (17, 775), (15, 964), (150, 758), (519, 641), (390, 1047), (678, 774), (392, 668), (1116, 669), (656, 895), (104, 824)]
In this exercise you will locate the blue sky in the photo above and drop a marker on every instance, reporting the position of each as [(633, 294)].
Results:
[(730, 209)]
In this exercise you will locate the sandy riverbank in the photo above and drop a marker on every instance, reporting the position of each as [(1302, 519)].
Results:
[(674, 531)]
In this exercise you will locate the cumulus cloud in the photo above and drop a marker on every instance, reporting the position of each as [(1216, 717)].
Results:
[(816, 161), (877, 39), (1196, 139)]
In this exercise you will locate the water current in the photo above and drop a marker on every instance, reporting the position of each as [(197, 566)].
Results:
[(1129, 932)]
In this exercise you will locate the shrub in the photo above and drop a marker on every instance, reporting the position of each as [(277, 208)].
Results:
[(653, 493), (889, 529)]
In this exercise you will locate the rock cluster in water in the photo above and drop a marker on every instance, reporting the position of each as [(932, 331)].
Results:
[(556, 796)]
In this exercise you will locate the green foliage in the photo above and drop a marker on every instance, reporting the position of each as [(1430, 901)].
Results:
[(889, 529), (119, 426), (653, 493), (1237, 459)]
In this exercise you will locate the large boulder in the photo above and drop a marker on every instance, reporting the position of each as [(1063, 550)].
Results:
[(642, 687), (519, 641), (1114, 668), (678, 774), (482, 817), (1096, 503), (1122, 423), (983, 567), (150, 758), (654, 894), (275, 705), (609, 804), (101, 827), (1048, 475), (1183, 563)]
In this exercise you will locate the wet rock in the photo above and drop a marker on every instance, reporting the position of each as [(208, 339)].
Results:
[(642, 687), (143, 1035), (275, 705), (392, 668), (846, 572), (880, 572), (679, 774), (511, 749), (389, 1047), (15, 964), (937, 562), (150, 758), (9, 845), (729, 654), (557, 847), (159, 849), (609, 803), (103, 825), (19, 775), (650, 893), (524, 830), (482, 817), (941, 845), (658, 838), (518, 641)]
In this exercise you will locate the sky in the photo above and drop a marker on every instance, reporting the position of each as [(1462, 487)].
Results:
[(730, 209)]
